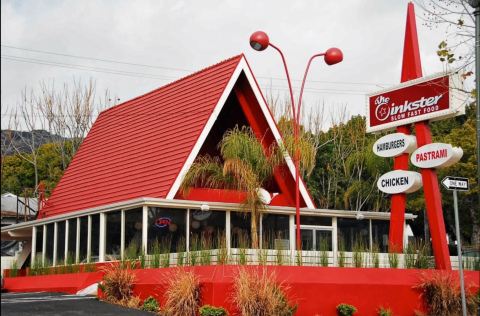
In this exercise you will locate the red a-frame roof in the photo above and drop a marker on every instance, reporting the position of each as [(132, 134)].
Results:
[(142, 148)]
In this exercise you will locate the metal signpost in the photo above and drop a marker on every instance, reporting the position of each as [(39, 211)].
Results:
[(455, 184)]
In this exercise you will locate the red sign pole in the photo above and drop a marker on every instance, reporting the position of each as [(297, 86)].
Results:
[(411, 69)]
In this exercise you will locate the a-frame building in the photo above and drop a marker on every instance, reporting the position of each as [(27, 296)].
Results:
[(122, 187), (143, 147)]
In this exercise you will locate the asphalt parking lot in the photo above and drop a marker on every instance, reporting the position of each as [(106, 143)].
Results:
[(60, 304)]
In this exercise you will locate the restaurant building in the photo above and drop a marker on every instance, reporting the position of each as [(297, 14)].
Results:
[(121, 190)]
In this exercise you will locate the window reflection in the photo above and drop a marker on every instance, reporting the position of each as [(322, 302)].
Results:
[(167, 226)]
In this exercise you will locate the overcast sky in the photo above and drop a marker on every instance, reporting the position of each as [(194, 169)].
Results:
[(187, 36)]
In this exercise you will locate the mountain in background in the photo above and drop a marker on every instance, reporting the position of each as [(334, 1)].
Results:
[(13, 139)]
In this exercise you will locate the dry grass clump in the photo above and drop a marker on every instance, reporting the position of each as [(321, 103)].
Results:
[(256, 293), (442, 294), (118, 284), (183, 293)]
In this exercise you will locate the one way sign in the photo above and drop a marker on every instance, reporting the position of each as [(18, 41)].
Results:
[(455, 183)]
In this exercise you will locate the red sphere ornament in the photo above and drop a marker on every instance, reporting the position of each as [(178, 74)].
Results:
[(259, 41), (333, 56)]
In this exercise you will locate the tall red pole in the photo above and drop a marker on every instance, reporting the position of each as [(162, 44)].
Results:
[(411, 69)]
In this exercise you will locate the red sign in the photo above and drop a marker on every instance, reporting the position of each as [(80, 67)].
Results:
[(429, 98)]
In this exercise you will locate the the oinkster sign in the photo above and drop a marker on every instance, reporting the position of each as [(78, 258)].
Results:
[(429, 98)]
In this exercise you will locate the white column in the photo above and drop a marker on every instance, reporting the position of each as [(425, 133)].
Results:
[(122, 234), (89, 239), (144, 229), (44, 244), (334, 241), (67, 234), (228, 232), (34, 245), (103, 233), (55, 243), (292, 236), (77, 242)]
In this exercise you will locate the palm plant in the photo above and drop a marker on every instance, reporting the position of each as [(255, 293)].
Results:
[(245, 166)]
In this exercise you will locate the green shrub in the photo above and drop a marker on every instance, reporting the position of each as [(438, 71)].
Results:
[(151, 305), (346, 310), (384, 311), (208, 310)]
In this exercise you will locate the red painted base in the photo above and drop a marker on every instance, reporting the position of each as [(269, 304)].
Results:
[(66, 283), (317, 290)]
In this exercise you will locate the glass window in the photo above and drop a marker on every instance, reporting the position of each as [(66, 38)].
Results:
[(83, 239), (314, 220), (39, 243), (72, 240), (113, 235), (49, 245), (95, 237), (380, 232), (323, 240), (167, 225), (133, 230), (276, 231), (353, 232), (208, 228), (60, 243), (240, 230)]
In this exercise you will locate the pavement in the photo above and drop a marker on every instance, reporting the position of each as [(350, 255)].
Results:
[(61, 304)]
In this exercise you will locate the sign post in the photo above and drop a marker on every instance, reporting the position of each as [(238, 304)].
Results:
[(455, 183)]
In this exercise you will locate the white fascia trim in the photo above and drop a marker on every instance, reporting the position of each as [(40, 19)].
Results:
[(242, 66), (276, 132), (193, 205), (206, 130)]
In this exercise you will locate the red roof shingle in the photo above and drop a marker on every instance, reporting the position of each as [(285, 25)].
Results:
[(136, 149)]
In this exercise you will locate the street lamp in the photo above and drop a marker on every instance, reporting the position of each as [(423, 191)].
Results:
[(259, 42)]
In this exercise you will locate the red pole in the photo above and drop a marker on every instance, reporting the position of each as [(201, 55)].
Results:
[(412, 69)]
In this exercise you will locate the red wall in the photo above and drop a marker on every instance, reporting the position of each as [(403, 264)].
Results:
[(318, 290)]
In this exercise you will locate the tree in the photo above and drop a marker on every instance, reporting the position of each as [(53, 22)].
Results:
[(456, 16), (70, 114), (245, 166), (26, 117)]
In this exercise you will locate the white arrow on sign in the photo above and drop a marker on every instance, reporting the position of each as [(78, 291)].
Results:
[(456, 183)]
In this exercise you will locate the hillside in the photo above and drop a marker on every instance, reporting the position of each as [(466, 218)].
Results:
[(13, 139)]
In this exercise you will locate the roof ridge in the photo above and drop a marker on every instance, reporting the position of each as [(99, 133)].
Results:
[(177, 81)]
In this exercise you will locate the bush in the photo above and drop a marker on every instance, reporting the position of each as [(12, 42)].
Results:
[(183, 293), (346, 310), (256, 293), (118, 283), (208, 310), (384, 311), (442, 294), (151, 305)]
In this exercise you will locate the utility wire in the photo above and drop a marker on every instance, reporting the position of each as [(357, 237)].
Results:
[(186, 70), (143, 75), (97, 59)]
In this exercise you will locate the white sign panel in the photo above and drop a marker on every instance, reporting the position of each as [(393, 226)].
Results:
[(400, 181), (394, 145), (436, 155)]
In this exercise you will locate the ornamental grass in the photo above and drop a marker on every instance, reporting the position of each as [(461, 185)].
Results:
[(118, 284), (441, 292), (183, 293), (256, 293)]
